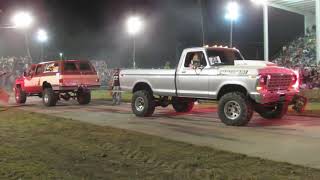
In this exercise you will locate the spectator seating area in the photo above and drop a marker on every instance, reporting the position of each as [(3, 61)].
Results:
[(300, 55)]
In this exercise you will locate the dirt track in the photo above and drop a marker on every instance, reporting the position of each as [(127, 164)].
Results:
[(293, 139)]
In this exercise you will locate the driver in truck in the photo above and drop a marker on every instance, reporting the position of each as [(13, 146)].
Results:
[(195, 62)]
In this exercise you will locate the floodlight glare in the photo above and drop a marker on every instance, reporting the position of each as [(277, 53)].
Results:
[(260, 2), (22, 20), (42, 35), (134, 25), (232, 11)]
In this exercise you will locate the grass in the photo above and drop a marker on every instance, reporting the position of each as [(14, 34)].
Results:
[(105, 95), (35, 146)]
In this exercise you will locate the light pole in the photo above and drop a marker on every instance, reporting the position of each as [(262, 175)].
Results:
[(134, 26), (264, 3), (232, 15), (42, 37), (202, 23), (23, 20)]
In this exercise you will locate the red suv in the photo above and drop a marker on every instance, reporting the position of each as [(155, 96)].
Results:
[(57, 80)]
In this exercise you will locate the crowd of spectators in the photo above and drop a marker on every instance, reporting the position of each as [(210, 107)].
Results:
[(104, 73), (10, 68), (300, 55)]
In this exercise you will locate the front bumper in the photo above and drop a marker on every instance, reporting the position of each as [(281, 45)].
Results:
[(271, 97)]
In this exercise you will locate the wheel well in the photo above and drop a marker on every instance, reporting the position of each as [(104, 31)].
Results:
[(142, 86), (46, 85), (231, 88)]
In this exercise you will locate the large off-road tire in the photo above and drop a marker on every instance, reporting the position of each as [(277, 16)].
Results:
[(49, 98), (182, 104), (143, 104), (235, 109), (20, 96), (84, 97), (272, 112)]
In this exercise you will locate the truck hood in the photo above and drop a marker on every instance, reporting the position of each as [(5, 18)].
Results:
[(253, 67), (256, 63)]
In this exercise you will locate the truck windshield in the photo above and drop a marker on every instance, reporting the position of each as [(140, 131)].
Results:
[(223, 56)]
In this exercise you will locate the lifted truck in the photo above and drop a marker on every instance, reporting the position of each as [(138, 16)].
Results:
[(214, 73), (57, 80)]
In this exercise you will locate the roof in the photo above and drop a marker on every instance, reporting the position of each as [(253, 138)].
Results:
[(304, 7), (67, 60)]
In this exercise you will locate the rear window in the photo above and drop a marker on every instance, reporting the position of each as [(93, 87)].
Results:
[(70, 66), (85, 67)]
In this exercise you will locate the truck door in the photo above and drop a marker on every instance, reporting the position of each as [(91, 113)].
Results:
[(28, 86), (193, 77), (35, 81)]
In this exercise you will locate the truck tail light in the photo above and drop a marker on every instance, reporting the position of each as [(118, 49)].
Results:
[(60, 81)]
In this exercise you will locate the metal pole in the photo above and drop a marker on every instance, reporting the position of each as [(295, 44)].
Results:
[(266, 32), (134, 53), (42, 53), (318, 29), (202, 23), (27, 45), (231, 33)]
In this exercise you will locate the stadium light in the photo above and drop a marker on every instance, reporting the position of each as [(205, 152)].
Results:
[(42, 36), (232, 11), (22, 20), (134, 26), (232, 15)]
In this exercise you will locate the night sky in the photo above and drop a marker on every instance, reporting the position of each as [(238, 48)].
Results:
[(95, 29)]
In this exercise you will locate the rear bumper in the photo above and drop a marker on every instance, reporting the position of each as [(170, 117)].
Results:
[(271, 97), (74, 88)]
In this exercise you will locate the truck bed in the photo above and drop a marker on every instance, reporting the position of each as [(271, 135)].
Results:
[(160, 80)]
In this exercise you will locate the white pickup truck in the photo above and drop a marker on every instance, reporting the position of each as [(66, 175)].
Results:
[(214, 73)]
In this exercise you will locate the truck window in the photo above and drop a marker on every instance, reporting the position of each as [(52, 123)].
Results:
[(193, 58), (39, 69), (51, 67), (70, 66), (31, 70), (84, 66), (226, 56)]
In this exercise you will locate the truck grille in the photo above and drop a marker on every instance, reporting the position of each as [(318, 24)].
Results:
[(278, 82)]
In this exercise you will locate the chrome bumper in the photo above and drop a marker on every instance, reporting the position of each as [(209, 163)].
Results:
[(271, 97)]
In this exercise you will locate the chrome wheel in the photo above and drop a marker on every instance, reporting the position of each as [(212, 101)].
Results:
[(139, 104), (17, 95), (232, 110), (46, 98)]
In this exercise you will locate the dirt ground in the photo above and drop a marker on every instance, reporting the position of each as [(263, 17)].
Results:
[(37, 146)]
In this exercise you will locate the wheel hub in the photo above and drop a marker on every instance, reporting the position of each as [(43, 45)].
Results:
[(139, 104), (46, 98), (232, 110)]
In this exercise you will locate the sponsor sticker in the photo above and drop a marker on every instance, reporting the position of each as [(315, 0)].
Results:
[(234, 72)]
